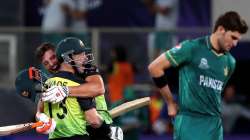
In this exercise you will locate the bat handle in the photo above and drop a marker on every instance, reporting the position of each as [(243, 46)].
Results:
[(30, 73), (34, 125)]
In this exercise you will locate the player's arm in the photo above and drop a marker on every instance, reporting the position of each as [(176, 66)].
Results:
[(156, 70), (49, 124), (40, 106), (93, 87)]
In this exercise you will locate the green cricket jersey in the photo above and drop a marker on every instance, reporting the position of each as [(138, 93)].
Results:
[(101, 105), (202, 75), (102, 109), (69, 117)]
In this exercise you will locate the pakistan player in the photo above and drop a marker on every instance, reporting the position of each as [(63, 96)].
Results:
[(205, 65)]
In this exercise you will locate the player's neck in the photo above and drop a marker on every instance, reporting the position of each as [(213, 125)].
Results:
[(214, 43)]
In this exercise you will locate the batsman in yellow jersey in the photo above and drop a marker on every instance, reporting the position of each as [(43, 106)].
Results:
[(75, 69)]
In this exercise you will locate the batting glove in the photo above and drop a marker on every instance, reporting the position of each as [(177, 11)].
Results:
[(55, 94), (116, 133), (48, 126)]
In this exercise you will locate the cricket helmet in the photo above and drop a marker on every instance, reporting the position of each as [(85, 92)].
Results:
[(25, 86), (70, 46)]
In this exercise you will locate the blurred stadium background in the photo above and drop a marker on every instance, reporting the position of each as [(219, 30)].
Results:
[(127, 23)]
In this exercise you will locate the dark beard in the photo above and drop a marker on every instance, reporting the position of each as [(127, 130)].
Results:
[(83, 73), (57, 67), (220, 49)]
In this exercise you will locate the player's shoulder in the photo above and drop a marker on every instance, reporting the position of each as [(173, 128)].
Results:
[(91, 69), (194, 43), (198, 41), (187, 46), (66, 76)]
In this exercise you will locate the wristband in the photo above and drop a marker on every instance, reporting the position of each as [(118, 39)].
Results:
[(161, 81)]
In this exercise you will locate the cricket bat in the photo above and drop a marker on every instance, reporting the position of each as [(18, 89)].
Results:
[(117, 111), (128, 106), (13, 129)]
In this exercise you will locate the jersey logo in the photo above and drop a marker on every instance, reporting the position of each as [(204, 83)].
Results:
[(210, 82), (225, 71), (203, 64), (178, 46)]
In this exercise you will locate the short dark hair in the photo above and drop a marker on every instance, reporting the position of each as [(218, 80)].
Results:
[(231, 21), (42, 49)]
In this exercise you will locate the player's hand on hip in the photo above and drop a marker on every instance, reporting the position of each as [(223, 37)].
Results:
[(172, 109), (48, 126), (55, 94)]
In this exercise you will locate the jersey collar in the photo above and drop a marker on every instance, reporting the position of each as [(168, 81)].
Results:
[(209, 45), (208, 42)]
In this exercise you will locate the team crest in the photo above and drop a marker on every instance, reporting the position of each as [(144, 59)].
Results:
[(225, 71), (178, 46), (203, 64)]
